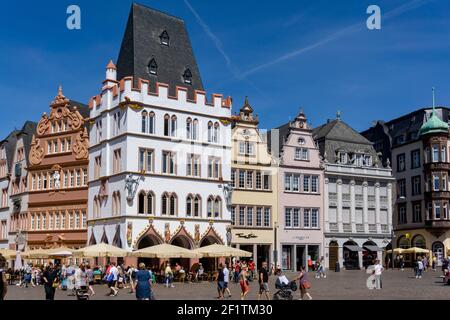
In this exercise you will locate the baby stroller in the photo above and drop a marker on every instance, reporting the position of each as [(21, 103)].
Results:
[(82, 293), (284, 290)]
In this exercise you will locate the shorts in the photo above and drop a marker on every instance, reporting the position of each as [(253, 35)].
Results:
[(264, 288), (225, 285), (221, 285), (112, 283), (91, 283)]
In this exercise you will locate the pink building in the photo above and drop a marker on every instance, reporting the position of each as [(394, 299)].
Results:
[(300, 174)]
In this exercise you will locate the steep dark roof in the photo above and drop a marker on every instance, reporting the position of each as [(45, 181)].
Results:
[(336, 135), (83, 109), (10, 145), (28, 130), (141, 43)]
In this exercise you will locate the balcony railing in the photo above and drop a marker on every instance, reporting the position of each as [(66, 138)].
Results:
[(347, 227), (359, 227)]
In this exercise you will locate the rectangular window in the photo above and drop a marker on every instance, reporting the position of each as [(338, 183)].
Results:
[(168, 162), (306, 183), (117, 161), (402, 188), (436, 182), (97, 167), (241, 179), (444, 181), (249, 179), (401, 166), (287, 182), (306, 218), (314, 218), (415, 159), (288, 217), (233, 216), (246, 148), (296, 216), (146, 161), (416, 187), (296, 183), (258, 180), (63, 220), (266, 181), (302, 154), (77, 220), (78, 175), (85, 177), (443, 154), (250, 216), (315, 184), (266, 217), (437, 211), (402, 214), (233, 178), (435, 153), (259, 216), (241, 216), (417, 213)]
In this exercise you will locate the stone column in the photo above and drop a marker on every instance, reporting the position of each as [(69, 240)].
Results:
[(352, 206), (377, 207), (255, 255), (380, 256), (389, 208), (326, 206), (339, 205), (365, 208), (341, 256)]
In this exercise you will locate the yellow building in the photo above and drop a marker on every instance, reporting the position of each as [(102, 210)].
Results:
[(255, 189)]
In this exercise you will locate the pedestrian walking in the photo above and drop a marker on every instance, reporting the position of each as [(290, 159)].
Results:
[(304, 284), (143, 284), (226, 280), (420, 268), (237, 271), (243, 281), (81, 279), (378, 269), (433, 263), (112, 277), (168, 276), (90, 279), (50, 281), (3, 282), (220, 282), (264, 281)]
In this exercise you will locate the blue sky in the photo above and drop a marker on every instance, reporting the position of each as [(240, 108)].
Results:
[(315, 54)]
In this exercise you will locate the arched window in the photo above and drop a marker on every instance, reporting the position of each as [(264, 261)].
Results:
[(197, 206), (210, 131), (173, 203), (141, 203), (189, 206), (118, 204), (189, 128), (173, 126), (150, 203), (153, 67), (210, 207), (419, 242), (166, 125), (216, 132), (113, 204), (195, 129), (151, 122), (404, 243), (164, 37), (95, 207), (187, 76), (164, 205), (217, 207), (144, 122)]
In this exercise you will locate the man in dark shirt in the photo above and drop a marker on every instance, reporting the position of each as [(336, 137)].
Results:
[(3, 282), (220, 282), (264, 281), (50, 277)]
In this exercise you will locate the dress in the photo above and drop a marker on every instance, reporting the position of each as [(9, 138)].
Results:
[(143, 289)]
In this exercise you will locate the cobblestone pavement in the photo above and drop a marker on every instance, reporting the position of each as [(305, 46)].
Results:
[(397, 285)]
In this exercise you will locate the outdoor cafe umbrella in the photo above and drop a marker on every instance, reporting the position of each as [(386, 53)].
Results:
[(397, 251), (8, 253), (60, 252), (100, 250), (37, 254), (218, 251), (416, 250), (165, 251)]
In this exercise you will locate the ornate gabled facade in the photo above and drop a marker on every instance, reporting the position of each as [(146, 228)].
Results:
[(159, 158), (357, 197), (58, 177), (419, 153), (255, 188), (300, 196)]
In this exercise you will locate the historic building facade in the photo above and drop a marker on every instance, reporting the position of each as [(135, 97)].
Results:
[(357, 197), (418, 149), (255, 188), (58, 177), (7, 147), (160, 152), (300, 196), (18, 188)]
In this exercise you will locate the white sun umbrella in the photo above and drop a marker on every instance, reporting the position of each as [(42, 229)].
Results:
[(100, 250), (61, 252), (165, 251), (219, 251), (18, 263)]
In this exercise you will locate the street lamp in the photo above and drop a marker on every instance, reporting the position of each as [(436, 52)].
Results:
[(275, 251), (392, 245)]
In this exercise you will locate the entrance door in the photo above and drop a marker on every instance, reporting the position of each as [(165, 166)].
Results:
[(286, 258), (333, 255), (438, 251), (300, 257), (263, 252)]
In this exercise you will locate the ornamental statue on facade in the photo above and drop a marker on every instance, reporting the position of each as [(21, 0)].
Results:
[(81, 146), (131, 185), (229, 236), (228, 193), (57, 179)]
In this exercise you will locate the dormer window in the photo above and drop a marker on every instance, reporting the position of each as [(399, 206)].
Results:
[(164, 37), (187, 76), (342, 157), (153, 67)]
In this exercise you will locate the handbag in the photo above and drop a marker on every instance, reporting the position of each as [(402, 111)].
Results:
[(306, 284)]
